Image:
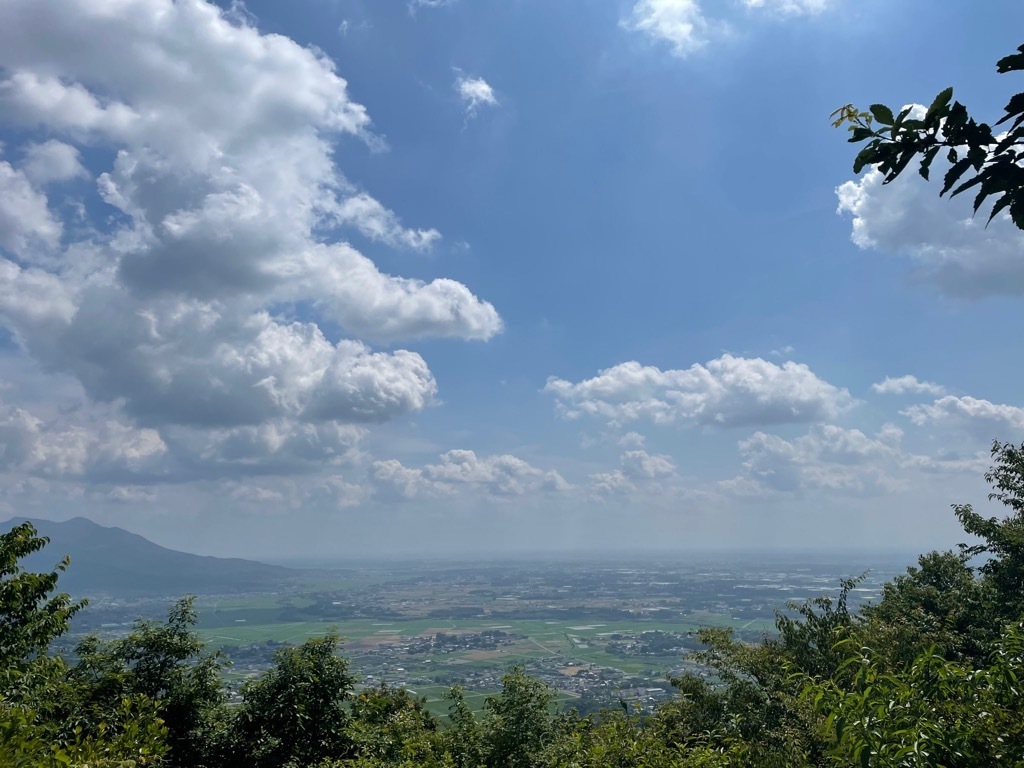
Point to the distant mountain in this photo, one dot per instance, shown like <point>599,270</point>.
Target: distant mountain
<point>112,561</point>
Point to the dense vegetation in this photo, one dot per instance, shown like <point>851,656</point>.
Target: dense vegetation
<point>927,676</point>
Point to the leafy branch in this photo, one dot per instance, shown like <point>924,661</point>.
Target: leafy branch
<point>979,158</point>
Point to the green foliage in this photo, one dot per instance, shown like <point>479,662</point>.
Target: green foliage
<point>930,714</point>
<point>1002,540</point>
<point>42,722</point>
<point>517,723</point>
<point>990,162</point>
<point>462,740</point>
<point>390,726</point>
<point>619,740</point>
<point>134,737</point>
<point>166,663</point>
<point>939,604</point>
<point>31,617</point>
<point>295,714</point>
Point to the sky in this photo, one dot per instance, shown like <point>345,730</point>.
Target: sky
<point>340,278</point>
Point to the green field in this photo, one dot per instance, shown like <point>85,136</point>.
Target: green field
<point>383,650</point>
<point>243,626</point>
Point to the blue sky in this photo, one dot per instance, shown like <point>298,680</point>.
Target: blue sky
<point>345,277</point>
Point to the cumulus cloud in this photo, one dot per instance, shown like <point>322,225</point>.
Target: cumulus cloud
<point>828,457</point>
<point>638,470</point>
<point>26,223</point>
<point>614,483</point>
<point>940,237</point>
<point>499,476</point>
<point>906,385</point>
<point>680,23</point>
<point>726,392</point>
<point>632,440</point>
<point>640,464</point>
<point>52,161</point>
<point>846,461</point>
<point>173,301</point>
<point>282,446</point>
<point>392,479</point>
<point>66,448</point>
<point>985,419</point>
<point>475,92</point>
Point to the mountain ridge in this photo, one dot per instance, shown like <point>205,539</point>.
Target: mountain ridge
<point>108,560</point>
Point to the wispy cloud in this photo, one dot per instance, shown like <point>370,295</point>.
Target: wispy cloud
<point>475,93</point>
<point>684,26</point>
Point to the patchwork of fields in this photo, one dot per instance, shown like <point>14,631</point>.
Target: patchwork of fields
<point>588,631</point>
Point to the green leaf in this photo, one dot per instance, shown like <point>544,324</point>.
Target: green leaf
<point>859,134</point>
<point>1001,203</point>
<point>866,156</point>
<point>926,161</point>
<point>1014,107</point>
<point>939,104</point>
<point>882,114</point>
<point>1017,212</point>
<point>1011,63</point>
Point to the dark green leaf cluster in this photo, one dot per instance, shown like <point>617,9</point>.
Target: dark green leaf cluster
<point>979,158</point>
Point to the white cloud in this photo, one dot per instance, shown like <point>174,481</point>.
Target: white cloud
<point>193,363</point>
<point>614,483</point>
<point>393,480</point>
<point>26,224</point>
<point>378,223</point>
<point>640,464</point>
<point>52,161</point>
<point>499,476</point>
<point>948,246</point>
<point>789,7</point>
<point>347,25</point>
<point>632,440</point>
<point>282,446</point>
<point>680,23</point>
<point>638,471</point>
<point>727,392</point>
<point>904,385</point>
<point>222,186</point>
<point>67,448</point>
<point>982,418</point>
<point>683,25</point>
<point>475,92</point>
<point>827,458</point>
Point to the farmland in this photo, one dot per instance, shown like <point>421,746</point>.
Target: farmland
<point>589,630</point>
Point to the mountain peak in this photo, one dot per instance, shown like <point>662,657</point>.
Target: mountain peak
<point>114,561</point>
